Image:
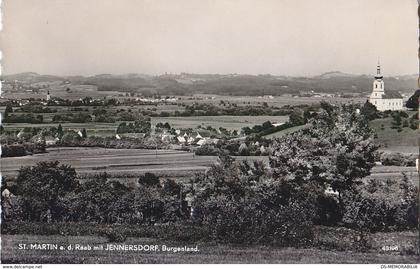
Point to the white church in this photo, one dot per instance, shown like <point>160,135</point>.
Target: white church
<point>381,99</point>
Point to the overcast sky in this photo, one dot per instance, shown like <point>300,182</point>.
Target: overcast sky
<point>281,37</point>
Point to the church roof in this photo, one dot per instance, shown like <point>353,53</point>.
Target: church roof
<point>391,95</point>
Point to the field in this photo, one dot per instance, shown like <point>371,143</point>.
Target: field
<point>113,161</point>
<point>119,163</point>
<point>60,90</point>
<point>285,132</point>
<point>278,101</point>
<point>405,141</point>
<point>108,129</point>
<point>92,128</point>
<point>130,163</point>
<point>209,252</point>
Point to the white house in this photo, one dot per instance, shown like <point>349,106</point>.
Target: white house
<point>181,139</point>
<point>381,99</point>
<point>50,140</point>
<point>202,141</point>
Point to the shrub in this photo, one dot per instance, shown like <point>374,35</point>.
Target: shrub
<point>253,221</point>
<point>397,159</point>
<point>382,205</point>
<point>24,118</point>
<point>114,235</point>
<point>327,210</point>
<point>149,179</point>
<point>13,150</point>
<point>42,186</point>
<point>239,204</point>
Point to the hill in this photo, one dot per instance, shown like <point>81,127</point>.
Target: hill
<point>228,84</point>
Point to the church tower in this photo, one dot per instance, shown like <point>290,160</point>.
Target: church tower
<point>384,100</point>
<point>378,84</point>
<point>48,96</point>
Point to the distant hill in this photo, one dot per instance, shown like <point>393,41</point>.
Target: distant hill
<point>228,84</point>
<point>31,77</point>
<point>335,74</point>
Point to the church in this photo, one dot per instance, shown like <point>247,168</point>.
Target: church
<point>381,99</point>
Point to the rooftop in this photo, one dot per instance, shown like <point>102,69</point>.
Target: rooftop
<point>391,95</point>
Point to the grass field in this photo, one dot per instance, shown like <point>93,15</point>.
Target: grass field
<point>277,101</point>
<point>95,160</point>
<point>209,252</point>
<point>130,163</point>
<point>405,141</point>
<point>285,132</point>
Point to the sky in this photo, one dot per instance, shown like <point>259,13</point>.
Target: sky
<point>279,37</point>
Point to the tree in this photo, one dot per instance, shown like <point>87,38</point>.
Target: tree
<point>243,149</point>
<point>267,125</point>
<point>101,201</point>
<point>306,115</point>
<point>84,133</point>
<point>42,186</point>
<point>149,179</point>
<point>338,151</point>
<point>60,131</point>
<point>171,187</point>
<point>296,118</point>
<point>264,210</point>
<point>8,110</point>
<point>382,205</point>
<point>413,101</point>
<point>369,111</point>
<point>396,120</point>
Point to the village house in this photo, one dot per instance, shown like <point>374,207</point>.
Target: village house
<point>50,140</point>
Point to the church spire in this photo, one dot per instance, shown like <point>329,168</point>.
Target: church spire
<point>378,71</point>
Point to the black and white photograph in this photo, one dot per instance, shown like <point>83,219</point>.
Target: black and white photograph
<point>209,132</point>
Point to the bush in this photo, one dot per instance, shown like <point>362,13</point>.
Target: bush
<point>13,150</point>
<point>328,210</point>
<point>23,149</point>
<point>114,235</point>
<point>397,159</point>
<point>207,150</point>
<point>42,186</point>
<point>23,118</point>
<point>240,205</point>
<point>382,205</point>
<point>250,223</point>
<point>149,179</point>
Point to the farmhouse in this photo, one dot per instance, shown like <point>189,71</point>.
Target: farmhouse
<point>50,140</point>
<point>381,99</point>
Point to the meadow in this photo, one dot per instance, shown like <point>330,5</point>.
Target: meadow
<point>282,100</point>
<point>405,141</point>
<point>120,164</point>
<point>128,164</point>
